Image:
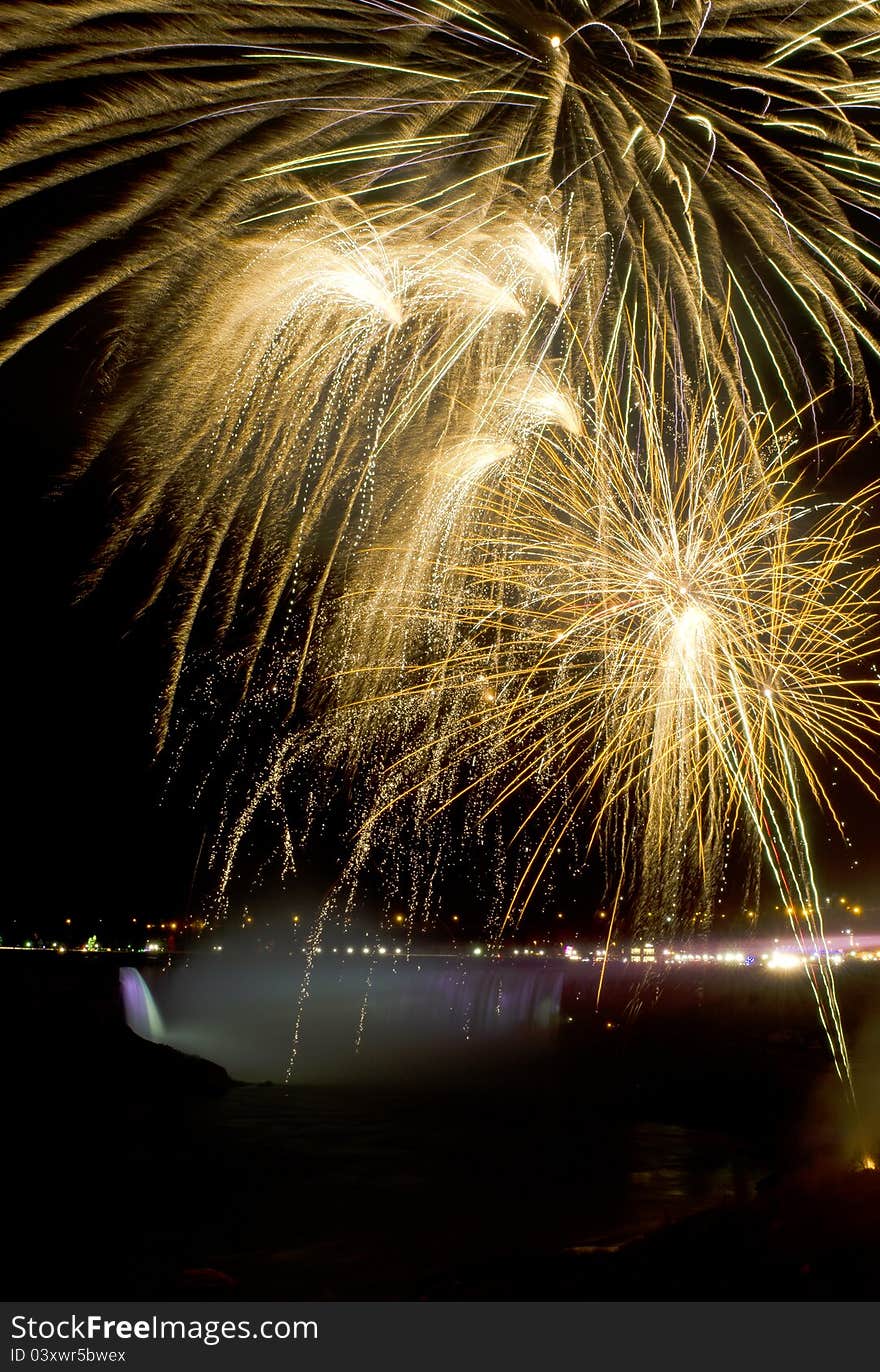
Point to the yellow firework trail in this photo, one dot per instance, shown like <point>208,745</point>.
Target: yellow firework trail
<point>731,140</point>
<point>644,625</point>
<point>328,237</point>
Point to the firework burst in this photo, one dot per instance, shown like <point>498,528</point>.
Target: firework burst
<point>303,224</point>
<point>650,630</point>
<point>643,613</point>
<point>721,148</point>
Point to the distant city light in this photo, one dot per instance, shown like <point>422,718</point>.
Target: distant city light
<point>784,962</point>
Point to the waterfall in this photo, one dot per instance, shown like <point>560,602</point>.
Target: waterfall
<point>141,1011</point>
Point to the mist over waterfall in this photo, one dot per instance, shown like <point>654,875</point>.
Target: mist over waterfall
<point>359,1021</point>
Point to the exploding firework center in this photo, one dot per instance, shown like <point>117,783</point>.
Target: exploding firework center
<point>690,633</point>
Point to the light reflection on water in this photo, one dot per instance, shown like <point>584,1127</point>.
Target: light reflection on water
<point>397,1156</point>
<point>406,1179</point>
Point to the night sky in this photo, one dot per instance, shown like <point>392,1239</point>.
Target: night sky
<point>110,837</point>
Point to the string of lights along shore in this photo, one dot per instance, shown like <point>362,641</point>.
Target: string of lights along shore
<point>466,368</point>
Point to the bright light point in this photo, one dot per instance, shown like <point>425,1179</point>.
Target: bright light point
<point>555,41</point>
<point>768,694</point>
<point>468,459</point>
<point>868,1163</point>
<point>478,952</point>
<point>361,287</point>
<point>477,291</point>
<point>690,632</point>
<point>544,402</point>
<point>784,962</point>
<point>543,262</point>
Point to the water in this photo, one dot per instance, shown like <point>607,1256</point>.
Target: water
<point>458,1130</point>
<point>491,1120</point>
<point>385,1192</point>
